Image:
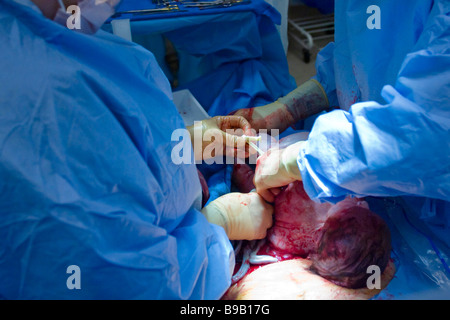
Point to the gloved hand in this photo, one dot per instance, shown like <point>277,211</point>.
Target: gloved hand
<point>221,135</point>
<point>244,216</point>
<point>307,100</point>
<point>277,168</point>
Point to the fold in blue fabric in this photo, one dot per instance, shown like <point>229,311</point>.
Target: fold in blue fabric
<point>86,174</point>
<point>235,52</point>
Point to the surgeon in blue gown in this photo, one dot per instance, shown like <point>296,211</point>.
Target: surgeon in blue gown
<point>92,203</point>
<point>388,73</point>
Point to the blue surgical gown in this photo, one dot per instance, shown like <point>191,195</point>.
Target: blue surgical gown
<point>86,175</point>
<point>393,86</point>
<point>390,137</point>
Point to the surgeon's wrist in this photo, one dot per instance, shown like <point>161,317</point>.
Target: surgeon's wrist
<point>307,100</point>
<point>276,116</point>
<point>289,160</point>
<point>216,215</point>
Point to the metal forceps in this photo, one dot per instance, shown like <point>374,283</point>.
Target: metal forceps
<point>191,4</point>
<point>167,8</point>
<point>214,4</point>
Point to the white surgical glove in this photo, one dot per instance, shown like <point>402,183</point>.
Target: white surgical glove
<point>306,100</point>
<point>244,216</point>
<point>277,168</point>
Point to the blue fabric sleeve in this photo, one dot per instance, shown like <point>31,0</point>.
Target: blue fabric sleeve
<point>325,73</point>
<point>398,148</point>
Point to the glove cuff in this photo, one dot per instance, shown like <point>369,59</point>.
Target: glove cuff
<point>215,215</point>
<point>289,160</point>
<point>308,99</point>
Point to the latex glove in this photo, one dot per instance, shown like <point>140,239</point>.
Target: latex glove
<point>244,216</point>
<point>232,143</point>
<point>277,168</point>
<point>270,116</point>
<point>307,100</point>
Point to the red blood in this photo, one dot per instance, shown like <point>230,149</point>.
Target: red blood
<point>281,255</point>
<point>298,221</point>
<point>341,240</point>
<point>266,249</point>
<point>275,120</point>
<point>242,177</point>
<point>205,189</point>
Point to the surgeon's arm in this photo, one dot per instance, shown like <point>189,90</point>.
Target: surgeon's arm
<point>312,97</point>
<point>307,100</point>
<point>395,149</point>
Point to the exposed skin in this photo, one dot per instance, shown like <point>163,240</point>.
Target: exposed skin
<point>298,227</point>
<point>293,280</point>
<point>50,7</point>
<point>352,240</point>
<point>242,177</point>
<point>205,189</point>
<point>298,221</point>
